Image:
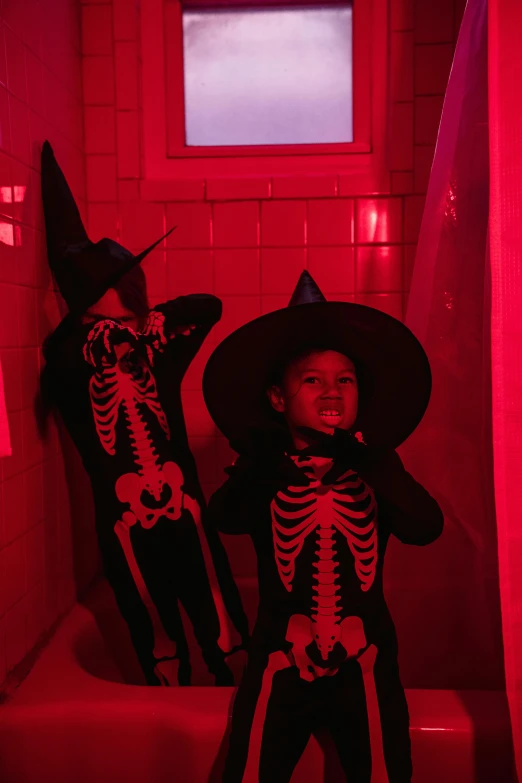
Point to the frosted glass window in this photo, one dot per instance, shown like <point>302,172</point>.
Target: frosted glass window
<point>278,75</point>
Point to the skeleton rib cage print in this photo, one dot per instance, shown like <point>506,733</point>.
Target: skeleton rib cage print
<point>348,509</point>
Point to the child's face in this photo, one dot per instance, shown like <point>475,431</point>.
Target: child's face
<point>111,306</point>
<point>318,391</point>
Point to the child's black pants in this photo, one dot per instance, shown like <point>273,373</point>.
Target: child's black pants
<point>289,709</point>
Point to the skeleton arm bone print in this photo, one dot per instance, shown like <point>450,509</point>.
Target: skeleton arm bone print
<point>108,341</point>
<point>189,318</point>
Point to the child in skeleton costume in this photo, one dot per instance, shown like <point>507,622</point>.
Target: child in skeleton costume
<point>118,391</point>
<point>320,492</point>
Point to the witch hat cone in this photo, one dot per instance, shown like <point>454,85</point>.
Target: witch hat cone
<point>63,224</point>
<point>306,291</point>
<point>84,270</point>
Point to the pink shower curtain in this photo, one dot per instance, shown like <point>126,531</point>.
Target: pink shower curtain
<point>445,597</point>
<point>505,116</point>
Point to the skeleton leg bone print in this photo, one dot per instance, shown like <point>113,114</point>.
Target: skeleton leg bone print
<point>278,662</point>
<point>228,636</point>
<point>165,649</point>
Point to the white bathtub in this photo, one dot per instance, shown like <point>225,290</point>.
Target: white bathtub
<point>73,720</point>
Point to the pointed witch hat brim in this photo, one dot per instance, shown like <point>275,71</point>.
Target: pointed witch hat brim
<point>111,278</point>
<point>393,362</point>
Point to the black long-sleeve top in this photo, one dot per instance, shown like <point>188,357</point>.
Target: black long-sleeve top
<point>348,524</point>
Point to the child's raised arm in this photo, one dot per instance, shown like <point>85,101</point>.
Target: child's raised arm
<point>405,507</point>
<point>176,329</point>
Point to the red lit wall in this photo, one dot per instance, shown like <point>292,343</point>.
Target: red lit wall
<point>40,97</point>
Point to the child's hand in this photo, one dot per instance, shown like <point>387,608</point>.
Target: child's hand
<point>345,450</point>
<point>158,333</point>
<point>102,348</point>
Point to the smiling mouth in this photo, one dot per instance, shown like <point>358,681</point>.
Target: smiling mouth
<point>330,415</point>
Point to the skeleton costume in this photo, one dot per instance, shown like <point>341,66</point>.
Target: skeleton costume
<point>324,649</point>
<point>118,392</point>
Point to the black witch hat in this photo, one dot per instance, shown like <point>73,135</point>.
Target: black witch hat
<point>83,270</point>
<point>390,359</point>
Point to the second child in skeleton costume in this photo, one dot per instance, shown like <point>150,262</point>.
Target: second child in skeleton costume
<point>118,391</point>
<point>320,493</point>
